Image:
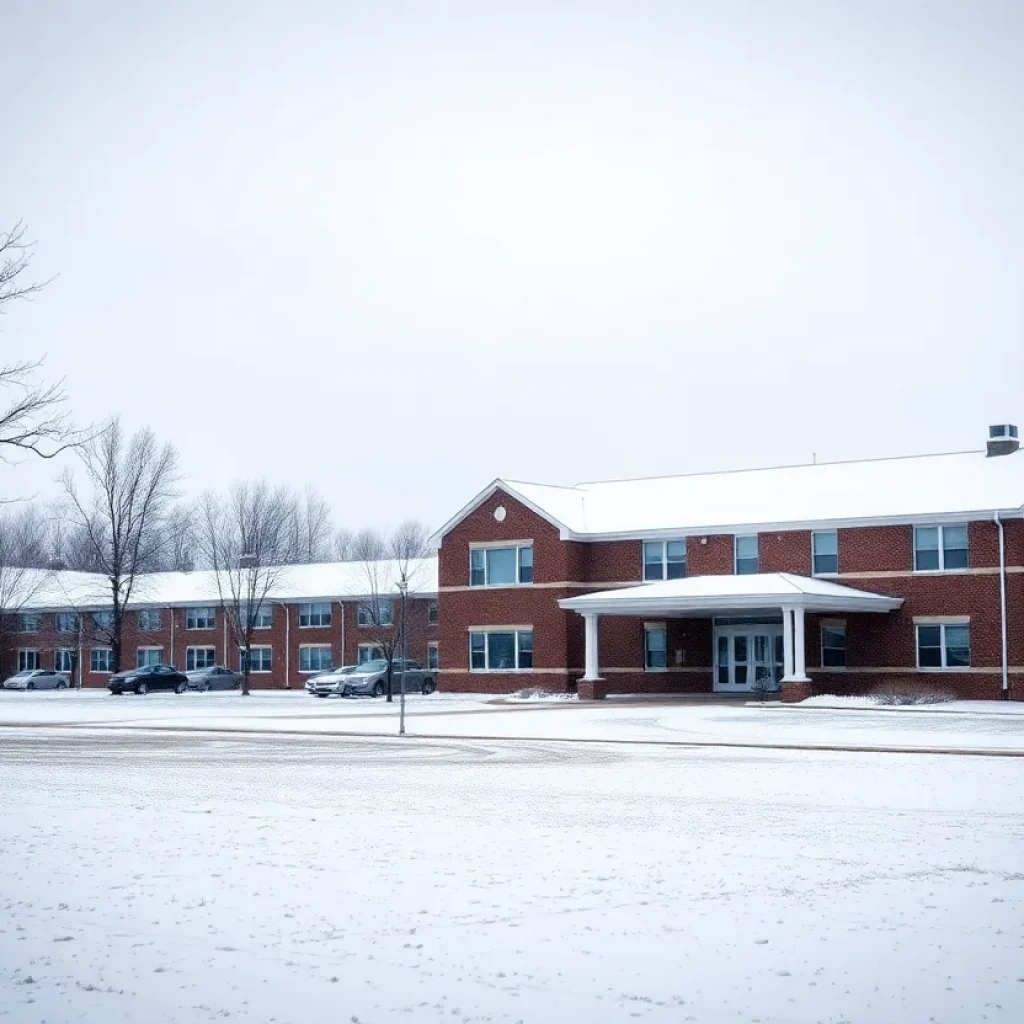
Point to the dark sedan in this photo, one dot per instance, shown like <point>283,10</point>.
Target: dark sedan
<point>148,679</point>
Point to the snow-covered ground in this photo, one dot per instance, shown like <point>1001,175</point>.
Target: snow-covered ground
<point>988,726</point>
<point>176,877</point>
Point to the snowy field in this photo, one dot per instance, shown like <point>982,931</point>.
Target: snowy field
<point>973,726</point>
<point>159,877</point>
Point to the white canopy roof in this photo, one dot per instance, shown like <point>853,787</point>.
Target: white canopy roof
<point>961,485</point>
<point>706,595</point>
<point>41,590</point>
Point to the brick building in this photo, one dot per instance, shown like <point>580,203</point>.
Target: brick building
<point>835,578</point>
<point>315,618</point>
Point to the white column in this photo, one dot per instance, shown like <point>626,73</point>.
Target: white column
<point>787,644</point>
<point>590,666</point>
<point>800,650</point>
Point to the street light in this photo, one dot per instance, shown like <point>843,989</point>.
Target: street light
<point>403,587</point>
<point>250,563</point>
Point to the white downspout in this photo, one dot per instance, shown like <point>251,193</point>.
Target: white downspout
<point>171,610</point>
<point>287,646</point>
<point>342,605</point>
<point>224,616</point>
<point>1002,607</point>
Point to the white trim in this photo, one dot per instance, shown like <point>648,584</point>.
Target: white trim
<point>100,671</point>
<point>518,546</point>
<point>486,634</point>
<point>478,544</point>
<point>497,629</point>
<point>149,647</point>
<point>260,671</point>
<point>938,620</point>
<point>319,625</point>
<point>29,650</point>
<point>437,538</point>
<point>199,608</point>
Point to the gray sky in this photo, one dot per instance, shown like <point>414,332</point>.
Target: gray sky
<point>398,249</point>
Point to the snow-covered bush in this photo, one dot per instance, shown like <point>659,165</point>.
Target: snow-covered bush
<point>895,694</point>
<point>539,693</point>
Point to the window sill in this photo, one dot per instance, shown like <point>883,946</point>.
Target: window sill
<point>942,572</point>
<point>500,586</point>
<point>940,669</point>
<point>825,575</point>
<point>327,626</point>
<point>497,671</point>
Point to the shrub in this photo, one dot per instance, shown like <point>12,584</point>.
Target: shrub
<point>895,694</point>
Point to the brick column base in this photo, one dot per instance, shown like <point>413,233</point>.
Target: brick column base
<point>794,692</point>
<point>591,689</point>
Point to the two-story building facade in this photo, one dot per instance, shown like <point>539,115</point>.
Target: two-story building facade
<point>839,578</point>
<point>315,617</point>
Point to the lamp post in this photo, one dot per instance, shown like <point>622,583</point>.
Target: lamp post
<point>249,563</point>
<point>403,587</point>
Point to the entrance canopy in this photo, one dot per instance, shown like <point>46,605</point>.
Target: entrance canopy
<point>705,596</point>
<point>717,595</point>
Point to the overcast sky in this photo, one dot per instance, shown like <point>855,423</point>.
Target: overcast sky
<point>399,249</point>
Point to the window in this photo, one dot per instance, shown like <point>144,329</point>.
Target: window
<point>746,555</point>
<point>1002,430</point>
<point>148,619</point>
<point>368,652</point>
<point>664,559</point>
<point>940,548</point>
<point>432,659</point>
<point>315,658</point>
<point>500,567</point>
<point>101,659</point>
<point>28,622</point>
<point>376,613</point>
<point>261,659</point>
<point>655,647</point>
<point>316,614</point>
<point>944,645</point>
<point>63,659</point>
<point>825,552</point>
<point>148,656</point>
<point>67,622</point>
<point>197,658</point>
<point>103,620</point>
<point>501,651</point>
<point>28,661</point>
<point>264,618</point>
<point>833,646</point>
<point>432,612</point>
<point>201,618</point>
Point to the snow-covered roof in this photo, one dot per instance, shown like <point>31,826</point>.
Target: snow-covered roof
<point>41,590</point>
<point>709,594</point>
<point>959,485</point>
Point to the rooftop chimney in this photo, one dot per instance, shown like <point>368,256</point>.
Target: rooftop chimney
<point>1002,439</point>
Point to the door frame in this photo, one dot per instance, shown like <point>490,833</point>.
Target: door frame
<point>770,628</point>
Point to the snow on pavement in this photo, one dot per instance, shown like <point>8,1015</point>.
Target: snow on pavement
<point>298,880</point>
<point>476,715</point>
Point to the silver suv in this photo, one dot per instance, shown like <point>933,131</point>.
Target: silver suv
<point>371,679</point>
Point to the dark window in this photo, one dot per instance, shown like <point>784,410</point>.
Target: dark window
<point>833,646</point>
<point>826,552</point>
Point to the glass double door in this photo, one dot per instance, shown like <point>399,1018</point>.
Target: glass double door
<point>748,658</point>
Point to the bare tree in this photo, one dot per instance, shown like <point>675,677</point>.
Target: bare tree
<point>311,528</point>
<point>343,545</point>
<point>390,566</point>
<point>131,485</point>
<point>34,420</point>
<point>247,540</point>
<point>180,539</point>
<point>20,581</point>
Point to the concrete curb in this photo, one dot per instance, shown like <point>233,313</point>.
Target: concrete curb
<point>694,744</point>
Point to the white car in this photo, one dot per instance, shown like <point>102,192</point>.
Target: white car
<point>38,679</point>
<point>329,680</point>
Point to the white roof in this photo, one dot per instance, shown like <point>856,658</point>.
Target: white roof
<point>961,485</point>
<point>44,590</point>
<point>709,594</point>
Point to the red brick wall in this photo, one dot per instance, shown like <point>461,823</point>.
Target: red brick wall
<point>785,552</point>
<point>876,548</point>
<point>715,558</point>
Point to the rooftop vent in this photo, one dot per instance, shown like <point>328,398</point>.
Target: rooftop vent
<point>1002,439</point>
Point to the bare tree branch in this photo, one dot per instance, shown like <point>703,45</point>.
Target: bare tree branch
<point>120,520</point>
<point>247,539</point>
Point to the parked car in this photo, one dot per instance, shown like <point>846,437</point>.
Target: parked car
<point>371,679</point>
<point>217,677</point>
<point>37,679</point>
<point>323,684</point>
<point>147,679</point>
